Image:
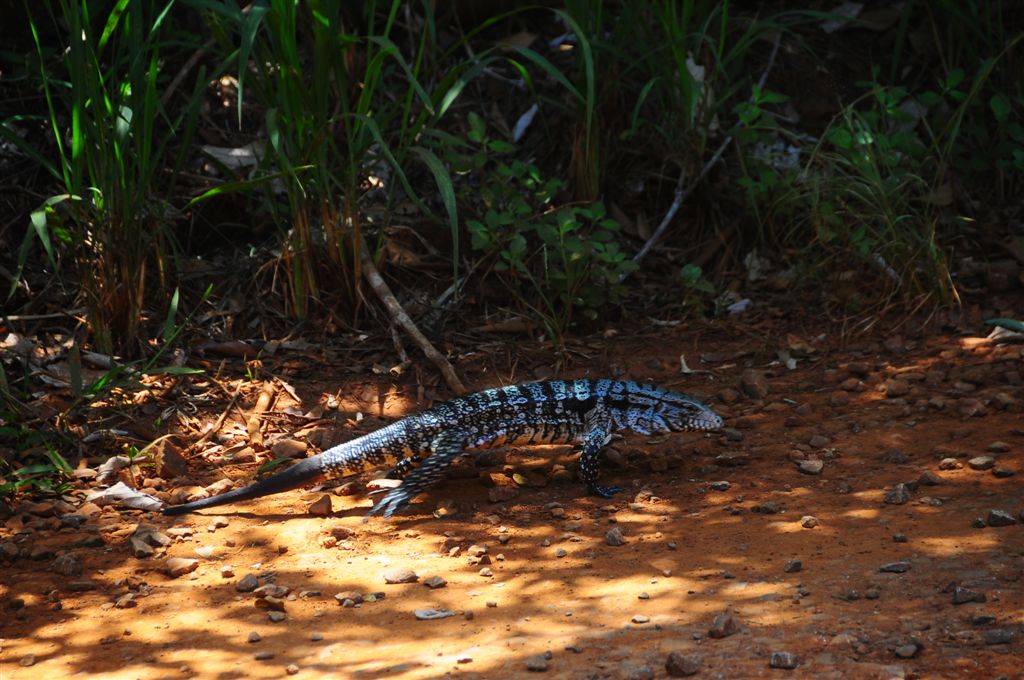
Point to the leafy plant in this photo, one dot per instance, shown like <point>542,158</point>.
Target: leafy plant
<point>112,134</point>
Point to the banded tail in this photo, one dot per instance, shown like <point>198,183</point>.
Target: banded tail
<point>302,473</point>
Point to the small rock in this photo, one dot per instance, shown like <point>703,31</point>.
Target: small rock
<point>929,478</point>
<point>898,495</point>
<point>981,463</point>
<point>640,618</point>
<point>768,508</point>
<point>793,566</point>
<point>907,651</point>
<point>179,566</point>
<point>963,595</point>
<point>126,601</point>
<point>614,537</point>
<point>399,575</point>
<point>839,398</point>
<point>435,582</point>
<point>432,614</point>
<point>809,521</point>
<point>724,625</point>
<point>811,467</point>
<point>719,486</point>
<point>264,655</point>
<point>254,637</point>
<point>997,636</point>
<point>1000,518</point>
<point>321,507</point>
<point>501,494</point>
<point>81,586</point>
<point>276,616</point>
<point>291,669</point>
<point>754,383</point>
<point>27,660</point>
<point>897,388</point>
<point>247,583</point>
<point>899,538</point>
<point>895,567</point>
<point>784,660</point>
<point>680,665</point>
<point>950,464</point>
<point>538,663</point>
<point>978,523</point>
<point>67,564</point>
<point>998,447</point>
<point>818,441</point>
<point>1002,472</point>
<point>895,457</point>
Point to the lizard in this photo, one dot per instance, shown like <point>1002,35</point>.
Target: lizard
<point>421,446</point>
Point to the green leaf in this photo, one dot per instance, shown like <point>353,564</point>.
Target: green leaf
<point>1008,324</point>
<point>477,128</point>
<point>1001,106</point>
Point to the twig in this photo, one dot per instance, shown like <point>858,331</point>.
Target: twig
<point>77,311</point>
<point>401,318</point>
<point>220,421</point>
<point>682,195</point>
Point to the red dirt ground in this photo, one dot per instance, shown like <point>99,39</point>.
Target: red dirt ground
<point>555,587</point>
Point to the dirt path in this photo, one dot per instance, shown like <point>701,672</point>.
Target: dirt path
<point>712,525</point>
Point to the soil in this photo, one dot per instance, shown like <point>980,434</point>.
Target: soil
<point>711,527</point>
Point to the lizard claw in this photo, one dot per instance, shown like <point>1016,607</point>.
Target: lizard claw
<point>395,500</point>
<point>604,491</point>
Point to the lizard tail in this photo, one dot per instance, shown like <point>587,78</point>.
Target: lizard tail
<point>302,473</point>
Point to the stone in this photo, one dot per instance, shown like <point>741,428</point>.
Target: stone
<point>1000,518</point>
<point>793,566</point>
<point>895,567</point>
<point>682,665</point>
<point>981,463</point>
<point>399,575</point>
<point>783,660</point>
<point>614,537</point>
<point>811,467</point>
<point>723,625</point>
<point>898,495</point>
<point>754,383</point>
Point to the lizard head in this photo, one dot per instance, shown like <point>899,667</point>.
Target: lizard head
<point>653,409</point>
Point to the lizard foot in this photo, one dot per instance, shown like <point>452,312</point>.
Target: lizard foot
<point>604,491</point>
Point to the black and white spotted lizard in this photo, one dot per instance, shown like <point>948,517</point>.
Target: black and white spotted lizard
<point>422,446</point>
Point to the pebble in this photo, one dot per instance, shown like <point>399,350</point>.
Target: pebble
<point>895,567</point>
<point>321,507</point>
<point>907,651</point>
<point>1000,518</point>
<point>247,583</point>
<point>432,614</point>
<point>179,566</point>
<point>486,572</point>
<point>950,464</point>
<point>784,660</point>
<point>811,467</point>
<point>399,575</point>
<point>809,521</point>
<point>538,663</point>
<point>998,447</point>
<point>839,398</point>
<point>291,669</point>
<point>276,616</point>
<point>818,441</point>
<point>754,383</point>
<point>560,552</point>
<point>640,618</point>
<point>897,388</point>
<point>895,457</point>
<point>963,595</point>
<point>680,665</point>
<point>981,463</point>
<point>898,495</point>
<point>719,486</point>
<point>997,636</point>
<point>793,566</point>
<point>27,660</point>
<point>929,478</point>
<point>614,537</point>
<point>263,656</point>
<point>434,582</point>
<point>899,538</point>
<point>768,508</point>
<point>1002,472</point>
<point>724,625</point>
<point>978,523</point>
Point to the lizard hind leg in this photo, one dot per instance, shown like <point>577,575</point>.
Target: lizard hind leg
<point>594,438</point>
<point>445,448</point>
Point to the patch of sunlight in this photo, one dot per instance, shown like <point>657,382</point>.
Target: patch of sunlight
<point>954,546</point>
<point>862,513</point>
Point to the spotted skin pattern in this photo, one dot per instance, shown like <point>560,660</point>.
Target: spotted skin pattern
<point>421,447</point>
